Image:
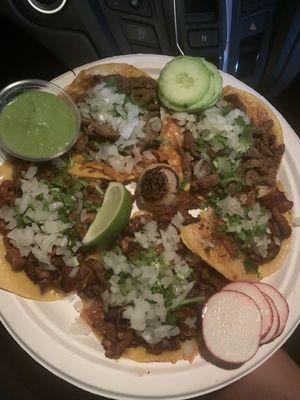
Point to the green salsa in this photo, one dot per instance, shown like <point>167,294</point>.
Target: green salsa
<point>37,124</point>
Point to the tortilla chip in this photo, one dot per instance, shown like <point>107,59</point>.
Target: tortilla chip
<point>199,239</point>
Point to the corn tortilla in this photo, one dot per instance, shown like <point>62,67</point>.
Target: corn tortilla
<point>199,238</point>
<point>187,351</point>
<point>257,110</point>
<point>98,169</point>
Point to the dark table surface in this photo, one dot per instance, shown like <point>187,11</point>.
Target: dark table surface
<point>22,378</point>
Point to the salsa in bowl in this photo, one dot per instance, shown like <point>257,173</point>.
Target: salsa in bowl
<point>38,120</point>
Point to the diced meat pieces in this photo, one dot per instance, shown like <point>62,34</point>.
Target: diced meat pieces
<point>261,161</point>
<point>276,198</point>
<point>116,333</point>
<point>9,191</point>
<point>104,132</point>
<point>187,165</point>
<point>235,101</point>
<point>188,141</point>
<point>229,245</point>
<point>207,182</point>
<point>13,255</point>
<point>283,225</point>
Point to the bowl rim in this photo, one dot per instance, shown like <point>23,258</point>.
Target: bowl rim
<point>40,83</point>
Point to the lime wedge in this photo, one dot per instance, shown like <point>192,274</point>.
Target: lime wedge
<point>112,217</point>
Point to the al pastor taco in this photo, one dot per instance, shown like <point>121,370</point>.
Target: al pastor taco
<point>44,214</point>
<point>120,122</point>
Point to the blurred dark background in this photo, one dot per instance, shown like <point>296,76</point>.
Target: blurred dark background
<point>258,41</point>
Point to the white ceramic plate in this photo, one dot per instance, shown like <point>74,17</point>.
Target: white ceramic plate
<point>42,329</point>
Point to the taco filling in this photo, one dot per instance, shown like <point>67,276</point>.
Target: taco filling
<point>223,151</point>
<point>121,123</point>
<point>44,215</point>
<point>211,208</point>
<point>152,292</point>
<point>250,229</point>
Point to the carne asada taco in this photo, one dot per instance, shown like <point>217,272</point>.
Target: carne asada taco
<point>230,156</point>
<point>243,238</point>
<point>237,145</point>
<point>120,122</point>
<point>223,150</point>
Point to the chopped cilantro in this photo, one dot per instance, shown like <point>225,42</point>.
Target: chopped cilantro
<point>200,145</point>
<point>171,319</point>
<point>191,300</point>
<point>224,167</point>
<point>202,204</point>
<point>226,109</point>
<point>20,221</point>
<point>162,140</point>
<point>75,262</point>
<point>250,265</point>
<point>111,81</point>
<point>91,207</point>
<point>246,138</point>
<point>219,140</point>
<point>146,257</point>
<point>39,197</point>
<point>240,121</point>
<point>182,184</point>
<point>45,207</point>
<point>168,296</point>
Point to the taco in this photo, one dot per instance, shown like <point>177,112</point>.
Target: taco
<point>44,213</point>
<point>230,154</point>
<point>131,296</point>
<point>147,306</point>
<point>143,294</point>
<point>120,122</point>
<point>235,145</point>
<point>17,283</point>
<point>242,238</point>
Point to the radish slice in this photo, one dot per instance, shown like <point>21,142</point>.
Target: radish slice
<point>280,303</point>
<point>231,326</point>
<point>256,295</point>
<point>274,328</point>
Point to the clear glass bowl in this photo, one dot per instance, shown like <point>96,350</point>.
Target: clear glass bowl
<point>15,89</point>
